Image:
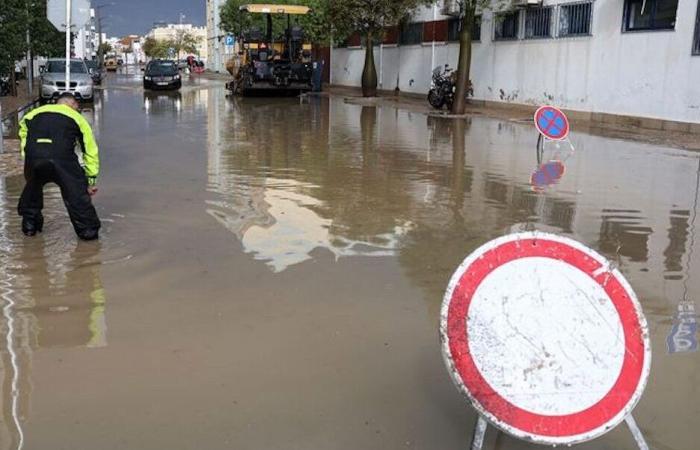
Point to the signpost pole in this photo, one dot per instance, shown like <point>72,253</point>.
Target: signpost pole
<point>68,11</point>
<point>479,433</point>
<point>636,432</point>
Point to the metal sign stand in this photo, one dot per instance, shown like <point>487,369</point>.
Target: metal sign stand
<point>482,425</point>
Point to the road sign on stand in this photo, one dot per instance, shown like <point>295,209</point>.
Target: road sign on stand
<point>546,339</point>
<point>56,13</point>
<point>552,123</point>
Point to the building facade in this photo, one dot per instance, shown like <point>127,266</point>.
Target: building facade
<point>163,31</point>
<point>628,57</point>
<point>216,37</point>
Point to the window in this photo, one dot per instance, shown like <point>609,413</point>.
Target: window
<point>538,22</point>
<point>650,15</point>
<point>411,34</point>
<point>696,41</point>
<point>575,19</point>
<point>506,25</point>
<point>454,26</point>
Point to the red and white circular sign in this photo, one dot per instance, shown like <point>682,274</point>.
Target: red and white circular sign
<point>545,338</point>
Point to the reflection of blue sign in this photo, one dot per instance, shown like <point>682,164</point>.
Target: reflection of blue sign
<point>547,174</point>
<point>683,336</point>
<point>230,40</point>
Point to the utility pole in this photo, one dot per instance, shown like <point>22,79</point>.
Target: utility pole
<point>100,53</point>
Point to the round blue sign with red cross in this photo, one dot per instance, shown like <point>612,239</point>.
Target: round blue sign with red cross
<point>552,123</point>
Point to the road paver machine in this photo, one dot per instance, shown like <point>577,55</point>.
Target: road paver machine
<point>269,62</point>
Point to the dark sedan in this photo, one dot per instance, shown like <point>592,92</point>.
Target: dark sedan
<point>162,74</point>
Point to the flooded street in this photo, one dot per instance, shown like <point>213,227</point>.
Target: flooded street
<point>270,273</point>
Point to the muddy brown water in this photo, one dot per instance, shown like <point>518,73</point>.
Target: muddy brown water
<point>271,270</point>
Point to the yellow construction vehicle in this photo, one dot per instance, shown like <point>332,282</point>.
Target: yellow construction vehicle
<point>273,63</point>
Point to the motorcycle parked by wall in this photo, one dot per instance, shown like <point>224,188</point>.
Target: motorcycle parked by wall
<point>4,86</point>
<point>443,88</point>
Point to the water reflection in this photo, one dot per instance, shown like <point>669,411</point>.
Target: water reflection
<point>161,102</point>
<point>683,337</point>
<point>281,219</point>
<point>342,176</point>
<point>51,295</point>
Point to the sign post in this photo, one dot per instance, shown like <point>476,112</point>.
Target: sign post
<point>68,31</point>
<point>64,14</point>
<point>546,339</point>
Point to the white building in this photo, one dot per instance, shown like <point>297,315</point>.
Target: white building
<point>86,40</point>
<point>219,52</point>
<point>629,57</point>
<point>163,31</point>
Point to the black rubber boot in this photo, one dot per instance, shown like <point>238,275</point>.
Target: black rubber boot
<point>32,227</point>
<point>89,235</point>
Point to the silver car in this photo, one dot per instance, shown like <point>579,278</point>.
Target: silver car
<point>53,80</point>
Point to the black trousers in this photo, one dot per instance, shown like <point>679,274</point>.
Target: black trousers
<point>70,177</point>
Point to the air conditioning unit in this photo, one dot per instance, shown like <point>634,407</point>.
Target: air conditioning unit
<point>526,3</point>
<point>452,8</point>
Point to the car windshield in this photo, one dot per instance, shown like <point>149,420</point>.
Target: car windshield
<point>162,68</point>
<point>60,67</point>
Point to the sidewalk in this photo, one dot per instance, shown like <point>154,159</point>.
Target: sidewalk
<point>10,162</point>
<point>10,104</point>
<point>619,127</point>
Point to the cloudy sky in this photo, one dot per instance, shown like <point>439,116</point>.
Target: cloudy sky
<point>137,16</point>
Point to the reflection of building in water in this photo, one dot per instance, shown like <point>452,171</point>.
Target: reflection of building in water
<point>364,173</point>
<point>617,196</point>
<point>51,295</point>
<point>280,220</point>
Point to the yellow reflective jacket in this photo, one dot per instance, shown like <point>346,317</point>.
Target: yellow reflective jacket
<point>53,130</point>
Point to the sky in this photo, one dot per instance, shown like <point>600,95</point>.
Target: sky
<point>137,16</point>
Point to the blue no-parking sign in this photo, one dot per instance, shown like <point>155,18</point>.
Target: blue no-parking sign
<point>230,40</point>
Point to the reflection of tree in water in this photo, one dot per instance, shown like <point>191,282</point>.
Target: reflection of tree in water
<point>464,215</point>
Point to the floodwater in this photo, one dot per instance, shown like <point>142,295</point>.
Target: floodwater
<point>270,274</point>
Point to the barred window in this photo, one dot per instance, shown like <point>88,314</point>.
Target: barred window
<point>650,15</point>
<point>411,34</point>
<point>575,19</point>
<point>506,25</point>
<point>454,27</point>
<point>538,22</point>
<point>696,41</point>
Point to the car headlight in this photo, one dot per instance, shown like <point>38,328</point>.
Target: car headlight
<point>176,77</point>
<point>147,78</point>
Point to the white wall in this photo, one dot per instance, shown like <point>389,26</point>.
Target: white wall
<point>648,74</point>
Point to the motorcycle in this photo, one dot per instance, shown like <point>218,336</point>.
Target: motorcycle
<point>443,88</point>
<point>4,86</point>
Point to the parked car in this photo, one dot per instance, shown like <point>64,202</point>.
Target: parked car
<point>53,81</point>
<point>162,74</point>
<point>95,71</point>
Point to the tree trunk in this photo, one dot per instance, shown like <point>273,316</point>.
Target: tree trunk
<point>13,81</point>
<point>465,58</point>
<point>369,73</point>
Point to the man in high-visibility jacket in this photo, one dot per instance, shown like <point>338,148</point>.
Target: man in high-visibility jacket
<point>48,138</point>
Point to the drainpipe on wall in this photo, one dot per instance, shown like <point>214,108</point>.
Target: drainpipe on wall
<point>381,64</point>
<point>432,55</point>
<point>330,64</point>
